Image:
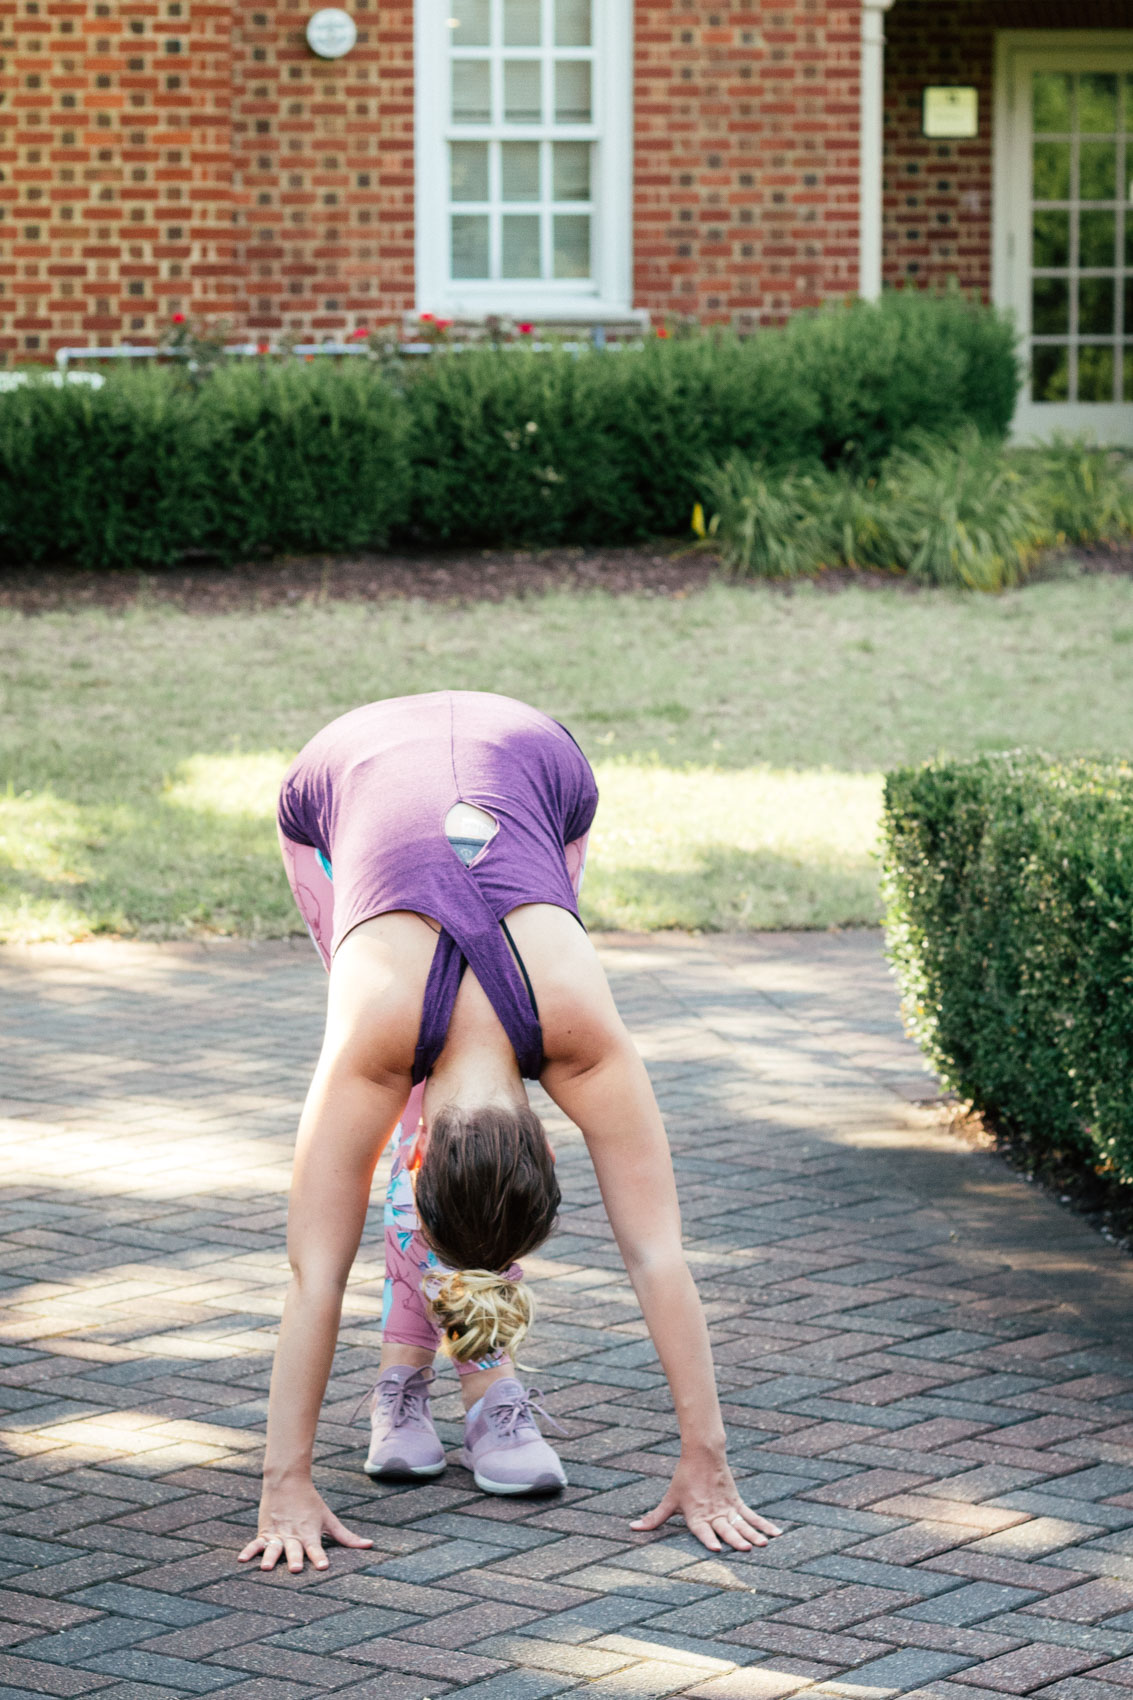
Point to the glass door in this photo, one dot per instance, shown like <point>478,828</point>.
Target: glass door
<point>1069,247</point>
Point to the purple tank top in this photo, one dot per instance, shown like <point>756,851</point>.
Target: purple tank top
<point>371,793</point>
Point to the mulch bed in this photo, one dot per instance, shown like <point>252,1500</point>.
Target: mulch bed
<point>456,576</point>
<point>1106,1204</point>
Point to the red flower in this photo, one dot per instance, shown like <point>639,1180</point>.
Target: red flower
<point>361,331</point>
<point>444,324</point>
<point>427,318</point>
<point>263,347</point>
<point>525,330</point>
<point>662,331</point>
<point>308,357</point>
<point>178,318</point>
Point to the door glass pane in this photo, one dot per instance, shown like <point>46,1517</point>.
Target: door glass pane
<point>523,97</point>
<point>1098,172</point>
<point>1128,387</point>
<point>1129,306</point>
<point>1129,236</point>
<point>1050,306</point>
<point>469,171</point>
<point>572,171</point>
<point>523,23</point>
<point>1095,373</point>
<point>471,91</point>
<point>1097,103</point>
<point>1050,98</point>
<point>1051,245</point>
<point>1050,373</point>
<point>1096,301</point>
<point>1129,102</point>
<point>572,91</point>
<point>521,245</point>
<point>470,22</point>
<point>572,23</point>
<point>572,245</point>
<point>520,170</point>
<point>1052,171</point>
<point>1097,239</point>
<point>470,245</point>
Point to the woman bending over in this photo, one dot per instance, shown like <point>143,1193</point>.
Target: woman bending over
<point>435,845</point>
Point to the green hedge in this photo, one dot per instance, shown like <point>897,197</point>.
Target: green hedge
<point>480,446</point>
<point>1009,888</point>
<point>257,460</point>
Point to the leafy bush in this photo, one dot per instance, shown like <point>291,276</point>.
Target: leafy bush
<point>1009,888</point>
<point>913,361</point>
<point>609,447</point>
<point>258,458</point>
<point>480,446</point>
<point>952,513</point>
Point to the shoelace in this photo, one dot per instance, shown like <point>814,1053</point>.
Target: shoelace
<point>517,1408</point>
<point>403,1401</point>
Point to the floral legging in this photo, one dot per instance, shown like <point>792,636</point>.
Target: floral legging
<point>409,1262</point>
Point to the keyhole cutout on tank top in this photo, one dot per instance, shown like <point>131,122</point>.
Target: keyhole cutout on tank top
<point>469,829</point>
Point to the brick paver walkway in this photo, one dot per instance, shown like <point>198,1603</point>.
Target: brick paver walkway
<point>905,1334</point>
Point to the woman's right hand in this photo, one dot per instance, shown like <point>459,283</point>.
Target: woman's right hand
<point>294,1519</point>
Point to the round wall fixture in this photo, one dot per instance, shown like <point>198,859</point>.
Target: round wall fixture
<point>331,33</point>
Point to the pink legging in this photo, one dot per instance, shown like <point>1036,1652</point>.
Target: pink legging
<point>409,1262</point>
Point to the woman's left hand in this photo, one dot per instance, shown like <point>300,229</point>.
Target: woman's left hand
<point>703,1492</point>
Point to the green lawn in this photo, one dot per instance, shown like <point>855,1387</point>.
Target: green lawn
<point>739,736</point>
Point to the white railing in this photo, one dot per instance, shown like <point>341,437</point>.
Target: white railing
<point>597,338</point>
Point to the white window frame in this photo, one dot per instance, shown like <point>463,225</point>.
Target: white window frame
<point>1018,54</point>
<point>608,294</point>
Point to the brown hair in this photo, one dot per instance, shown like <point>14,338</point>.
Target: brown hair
<point>486,1195</point>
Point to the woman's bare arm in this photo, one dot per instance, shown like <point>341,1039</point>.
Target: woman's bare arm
<point>351,1110</point>
<point>598,1079</point>
<point>346,1123</point>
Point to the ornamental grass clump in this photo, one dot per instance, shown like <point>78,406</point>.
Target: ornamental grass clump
<point>1008,882</point>
<point>768,524</point>
<point>960,514</point>
<point>957,513</point>
<point>1083,489</point>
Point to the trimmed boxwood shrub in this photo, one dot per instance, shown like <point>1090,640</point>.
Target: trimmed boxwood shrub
<point>1009,888</point>
<point>479,446</point>
<point>257,459</point>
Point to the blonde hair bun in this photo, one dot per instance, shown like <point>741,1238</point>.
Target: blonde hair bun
<point>479,1313</point>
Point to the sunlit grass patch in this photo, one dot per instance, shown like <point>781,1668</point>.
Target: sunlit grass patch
<point>232,785</point>
<point>739,733</point>
<point>732,849</point>
<point>45,845</point>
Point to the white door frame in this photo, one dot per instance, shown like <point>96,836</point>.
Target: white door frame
<point>1017,52</point>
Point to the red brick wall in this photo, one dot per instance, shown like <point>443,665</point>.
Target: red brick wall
<point>192,155</point>
<point>116,183</point>
<point>323,163</point>
<point>746,165</point>
<point>937,193</point>
<point>159,156</point>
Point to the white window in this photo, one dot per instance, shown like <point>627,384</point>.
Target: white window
<point>1064,225</point>
<point>523,157</point>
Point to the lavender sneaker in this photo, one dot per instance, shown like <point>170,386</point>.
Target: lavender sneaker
<point>502,1444</point>
<point>403,1441</point>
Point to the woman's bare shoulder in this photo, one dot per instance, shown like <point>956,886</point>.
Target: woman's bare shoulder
<point>576,1007</point>
<point>377,988</point>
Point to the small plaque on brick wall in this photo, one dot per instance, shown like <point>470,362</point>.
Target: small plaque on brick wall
<point>951,112</point>
<point>331,33</point>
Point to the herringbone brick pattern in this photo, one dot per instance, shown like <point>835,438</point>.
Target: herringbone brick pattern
<point>948,1449</point>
